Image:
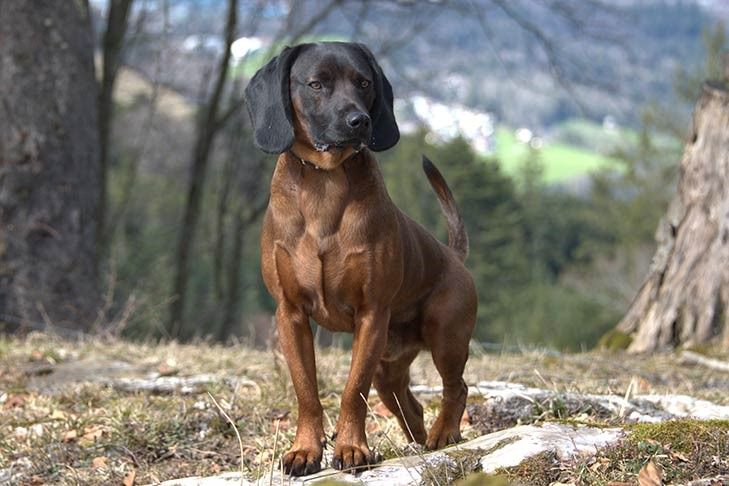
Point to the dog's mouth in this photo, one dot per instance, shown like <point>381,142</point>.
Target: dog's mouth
<point>354,143</point>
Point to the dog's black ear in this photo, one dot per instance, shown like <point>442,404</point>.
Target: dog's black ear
<point>385,133</point>
<point>268,100</point>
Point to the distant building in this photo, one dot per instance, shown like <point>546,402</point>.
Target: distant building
<point>446,122</point>
<point>243,46</point>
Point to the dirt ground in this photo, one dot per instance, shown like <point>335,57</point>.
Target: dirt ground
<point>86,412</point>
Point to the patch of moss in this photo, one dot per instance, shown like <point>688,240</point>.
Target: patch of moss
<point>462,463</point>
<point>482,479</point>
<point>685,450</point>
<point>614,340</point>
<point>685,435</point>
<point>540,470</point>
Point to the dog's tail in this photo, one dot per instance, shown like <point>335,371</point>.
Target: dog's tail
<point>457,236</point>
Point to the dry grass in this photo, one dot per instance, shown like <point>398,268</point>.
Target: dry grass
<point>65,424</point>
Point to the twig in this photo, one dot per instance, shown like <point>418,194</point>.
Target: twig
<point>237,434</point>
<point>418,452</point>
<point>626,398</point>
<point>392,443</point>
<point>695,358</point>
<point>273,455</point>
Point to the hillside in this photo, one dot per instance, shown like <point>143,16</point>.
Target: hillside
<point>530,63</point>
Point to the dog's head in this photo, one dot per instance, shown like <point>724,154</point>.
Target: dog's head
<point>324,101</point>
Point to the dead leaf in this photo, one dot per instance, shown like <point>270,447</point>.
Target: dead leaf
<point>14,401</point>
<point>167,370</point>
<point>69,436</point>
<point>92,433</point>
<point>129,478</point>
<point>58,415</point>
<point>650,475</point>
<point>36,480</point>
<point>99,461</point>
<point>680,456</point>
<point>619,483</point>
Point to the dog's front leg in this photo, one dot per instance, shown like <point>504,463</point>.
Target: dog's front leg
<point>297,344</point>
<point>370,338</point>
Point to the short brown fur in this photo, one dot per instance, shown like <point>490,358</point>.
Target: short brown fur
<point>335,248</point>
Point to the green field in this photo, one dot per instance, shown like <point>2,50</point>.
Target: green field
<point>561,161</point>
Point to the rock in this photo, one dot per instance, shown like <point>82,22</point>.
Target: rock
<point>503,449</point>
<point>514,402</point>
<point>686,406</point>
<point>530,440</point>
<point>225,479</point>
<point>126,377</point>
<point>722,480</point>
<point>165,384</point>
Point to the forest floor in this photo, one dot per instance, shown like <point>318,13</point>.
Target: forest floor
<point>86,413</point>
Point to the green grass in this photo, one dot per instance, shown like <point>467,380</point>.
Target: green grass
<point>561,162</point>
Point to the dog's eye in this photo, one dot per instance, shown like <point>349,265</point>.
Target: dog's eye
<point>364,84</point>
<point>315,85</point>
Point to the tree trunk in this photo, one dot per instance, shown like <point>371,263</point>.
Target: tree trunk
<point>116,27</point>
<point>207,130</point>
<point>684,298</point>
<point>49,173</point>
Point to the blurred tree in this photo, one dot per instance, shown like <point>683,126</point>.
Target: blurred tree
<point>117,19</point>
<point>49,171</point>
<point>214,116</point>
<point>207,129</point>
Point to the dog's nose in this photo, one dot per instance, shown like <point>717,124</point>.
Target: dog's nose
<point>358,120</point>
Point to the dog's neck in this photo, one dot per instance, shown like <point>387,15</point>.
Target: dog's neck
<point>304,162</point>
<point>319,165</point>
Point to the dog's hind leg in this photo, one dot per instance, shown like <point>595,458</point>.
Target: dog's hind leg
<point>392,380</point>
<point>449,319</point>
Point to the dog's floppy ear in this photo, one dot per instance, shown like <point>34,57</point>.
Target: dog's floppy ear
<point>385,133</point>
<point>268,100</point>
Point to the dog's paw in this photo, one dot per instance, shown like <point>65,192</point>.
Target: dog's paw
<point>352,457</point>
<point>302,462</point>
<point>441,435</point>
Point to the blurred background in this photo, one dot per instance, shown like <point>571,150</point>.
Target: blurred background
<point>559,125</point>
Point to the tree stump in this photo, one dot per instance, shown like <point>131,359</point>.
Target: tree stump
<point>683,301</point>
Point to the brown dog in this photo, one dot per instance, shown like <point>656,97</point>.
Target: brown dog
<point>335,248</point>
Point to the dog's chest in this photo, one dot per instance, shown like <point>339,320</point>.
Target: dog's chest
<point>321,269</point>
<point>327,284</point>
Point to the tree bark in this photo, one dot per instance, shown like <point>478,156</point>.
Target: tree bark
<point>49,173</point>
<point>683,301</point>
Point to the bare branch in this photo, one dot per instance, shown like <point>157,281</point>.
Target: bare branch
<point>206,132</point>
